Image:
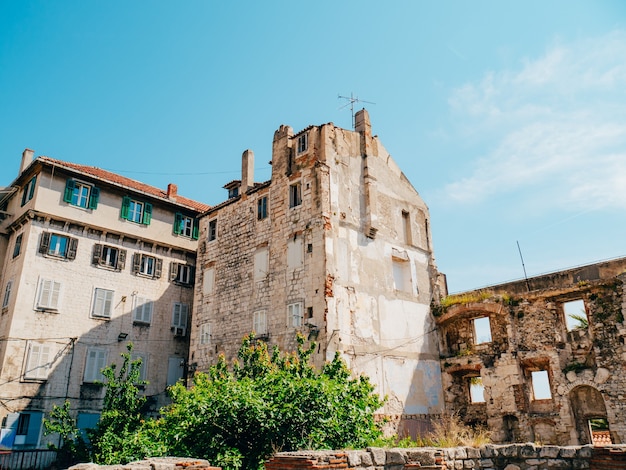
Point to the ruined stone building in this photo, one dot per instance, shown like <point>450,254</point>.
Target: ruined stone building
<point>541,360</point>
<point>90,261</point>
<point>336,245</point>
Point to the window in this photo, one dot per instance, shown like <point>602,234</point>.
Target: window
<point>109,257</point>
<point>135,211</point>
<point>233,192</point>
<point>482,330</point>
<point>406,227</point>
<point>58,246</point>
<point>26,427</point>
<point>18,245</point>
<point>212,235</point>
<point>259,322</point>
<point>49,292</point>
<point>205,334</point>
<point>180,312</point>
<point>261,263</point>
<point>261,212</point>
<point>102,303</point>
<point>96,361</point>
<point>182,273</point>
<point>295,253</point>
<point>147,265</point>
<point>185,226</point>
<point>477,390</point>
<point>295,314</point>
<point>402,275</point>
<point>38,361</point>
<point>142,313</point>
<point>23,423</point>
<point>29,190</point>
<point>303,143</point>
<point>541,385</point>
<point>208,281</point>
<point>143,366</point>
<point>295,194</point>
<point>7,294</point>
<point>575,315</point>
<point>81,194</point>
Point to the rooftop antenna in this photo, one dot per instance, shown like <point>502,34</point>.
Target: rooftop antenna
<point>524,267</point>
<point>351,100</point>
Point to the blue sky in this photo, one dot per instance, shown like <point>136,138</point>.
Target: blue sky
<point>509,118</point>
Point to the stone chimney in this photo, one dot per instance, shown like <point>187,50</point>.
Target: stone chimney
<point>363,126</point>
<point>247,170</point>
<point>27,159</point>
<point>172,191</point>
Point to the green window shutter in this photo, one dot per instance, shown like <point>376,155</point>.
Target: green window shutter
<point>69,190</point>
<point>196,229</point>
<point>94,196</point>
<point>178,221</point>
<point>32,188</point>
<point>147,213</point>
<point>125,207</point>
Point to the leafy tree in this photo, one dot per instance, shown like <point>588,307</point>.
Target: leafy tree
<point>73,448</point>
<point>268,402</point>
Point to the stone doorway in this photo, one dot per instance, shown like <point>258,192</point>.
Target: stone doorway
<point>590,416</point>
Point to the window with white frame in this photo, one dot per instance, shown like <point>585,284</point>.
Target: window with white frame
<point>80,194</point>
<point>142,313</point>
<point>17,248</point>
<point>261,208</point>
<point>259,322</point>
<point>96,361</point>
<point>180,313</point>
<point>303,142</point>
<point>261,263</point>
<point>102,303</point>
<point>7,294</point>
<point>29,190</point>
<point>38,361</point>
<point>205,334</point>
<point>48,295</point>
<point>136,211</point>
<point>58,246</point>
<point>182,274</point>
<point>212,230</point>
<point>185,226</point>
<point>147,265</point>
<point>295,253</point>
<point>143,365</point>
<point>295,194</point>
<point>295,314</point>
<point>109,257</point>
<point>476,390</point>
<point>482,330</point>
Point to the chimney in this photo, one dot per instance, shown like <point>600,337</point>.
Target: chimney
<point>27,159</point>
<point>172,190</point>
<point>247,170</point>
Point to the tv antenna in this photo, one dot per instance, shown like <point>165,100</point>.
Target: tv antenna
<point>351,100</point>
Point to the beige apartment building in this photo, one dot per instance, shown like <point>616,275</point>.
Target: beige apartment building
<point>336,246</point>
<point>90,262</point>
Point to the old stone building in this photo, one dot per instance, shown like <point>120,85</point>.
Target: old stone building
<point>90,261</point>
<point>336,245</point>
<point>540,360</point>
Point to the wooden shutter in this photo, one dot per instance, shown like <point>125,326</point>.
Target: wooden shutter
<point>121,260</point>
<point>97,254</point>
<point>94,196</point>
<point>32,188</point>
<point>69,190</point>
<point>71,248</point>
<point>178,221</point>
<point>158,267</point>
<point>125,207</point>
<point>147,213</point>
<point>173,270</point>
<point>44,244</point>
<point>136,262</point>
<point>196,229</point>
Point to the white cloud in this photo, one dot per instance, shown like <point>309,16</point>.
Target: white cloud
<point>557,125</point>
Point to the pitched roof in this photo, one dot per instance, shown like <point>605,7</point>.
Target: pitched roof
<point>126,183</point>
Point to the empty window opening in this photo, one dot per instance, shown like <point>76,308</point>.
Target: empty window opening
<point>477,390</point>
<point>402,275</point>
<point>406,228</point>
<point>599,430</point>
<point>295,195</point>
<point>482,330</point>
<point>540,385</point>
<point>575,315</point>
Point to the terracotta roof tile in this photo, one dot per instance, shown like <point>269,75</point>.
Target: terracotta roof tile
<point>126,182</point>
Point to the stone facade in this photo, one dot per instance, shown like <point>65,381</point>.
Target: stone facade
<point>518,360</point>
<point>335,246</point>
<point>90,262</point>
